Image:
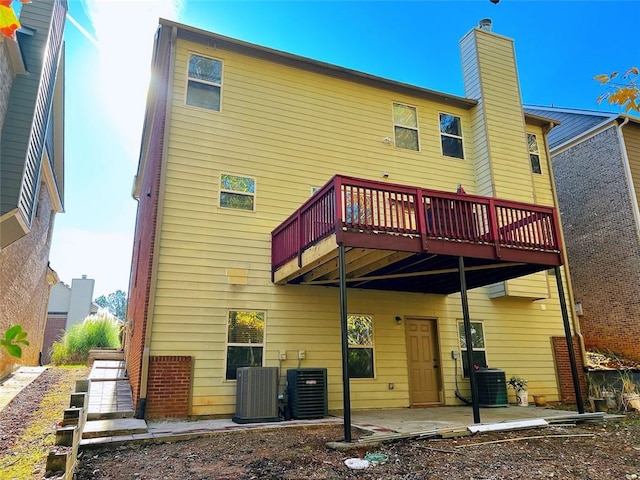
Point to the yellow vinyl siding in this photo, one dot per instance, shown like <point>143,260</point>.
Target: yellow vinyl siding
<point>291,129</point>
<point>490,75</point>
<point>542,187</point>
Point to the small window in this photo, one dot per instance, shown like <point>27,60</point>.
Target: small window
<point>451,136</point>
<point>478,344</point>
<point>405,126</point>
<point>204,82</point>
<point>245,340</point>
<point>360,338</point>
<point>534,153</point>
<point>237,192</point>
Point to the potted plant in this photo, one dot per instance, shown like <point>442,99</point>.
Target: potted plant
<point>519,385</point>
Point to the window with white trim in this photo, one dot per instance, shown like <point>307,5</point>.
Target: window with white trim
<point>360,352</point>
<point>237,192</point>
<point>204,82</point>
<point>478,344</point>
<point>534,153</point>
<point>405,126</point>
<point>245,340</point>
<point>451,136</point>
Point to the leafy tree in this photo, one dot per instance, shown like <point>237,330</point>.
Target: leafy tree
<point>115,302</point>
<point>12,339</point>
<point>623,90</point>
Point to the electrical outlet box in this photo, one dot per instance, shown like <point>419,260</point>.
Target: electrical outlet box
<point>454,354</point>
<point>283,355</point>
<point>302,354</point>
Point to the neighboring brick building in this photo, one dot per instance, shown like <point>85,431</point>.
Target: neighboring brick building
<point>596,165</point>
<point>31,169</point>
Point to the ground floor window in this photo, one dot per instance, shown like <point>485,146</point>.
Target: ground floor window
<point>245,340</point>
<point>360,337</point>
<point>478,344</point>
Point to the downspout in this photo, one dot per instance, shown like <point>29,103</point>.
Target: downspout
<point>565,259</point>
<point>144,373</point>
<point>627,171</point>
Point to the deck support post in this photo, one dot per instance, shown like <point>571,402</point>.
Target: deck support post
<point>468,341</point>
<point>346,394</point>
<point>568,336</point>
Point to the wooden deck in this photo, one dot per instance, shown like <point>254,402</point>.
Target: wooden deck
<point>406,238</point>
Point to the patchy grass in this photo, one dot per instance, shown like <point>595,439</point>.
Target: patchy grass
<point>27,458</point>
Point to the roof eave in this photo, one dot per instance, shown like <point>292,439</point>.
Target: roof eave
<point>541,121</point>
<point>195,34</point>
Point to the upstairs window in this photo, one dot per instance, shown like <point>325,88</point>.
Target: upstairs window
<point>245,341</point>
<point>237,192</point>
<point>204,82</point>
<point>360,338</point>
<point>451,136</point>
<point>477,342</point>
<point>405,126</point>
<point>534,153</point>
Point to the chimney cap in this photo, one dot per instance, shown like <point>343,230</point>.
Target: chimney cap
<point>485,24</point>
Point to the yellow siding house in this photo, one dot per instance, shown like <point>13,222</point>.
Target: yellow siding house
<point>300,215</point>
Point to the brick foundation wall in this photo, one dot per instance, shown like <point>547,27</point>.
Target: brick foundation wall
<point>24,291</point>
<point>169,387</point>
<point>54,330</point>
<point>563,368</point>
<point>602,243</point>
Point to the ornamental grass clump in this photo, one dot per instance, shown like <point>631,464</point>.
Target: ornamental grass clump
<point>101,330</point>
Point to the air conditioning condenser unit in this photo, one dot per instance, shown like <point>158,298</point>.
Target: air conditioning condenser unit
<point>257,395</point>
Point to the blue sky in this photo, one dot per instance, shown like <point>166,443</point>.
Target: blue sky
<point>560,47</point>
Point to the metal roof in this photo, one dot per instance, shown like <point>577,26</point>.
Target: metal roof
<point>573,122</point>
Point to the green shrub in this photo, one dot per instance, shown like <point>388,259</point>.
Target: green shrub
<point>101,330</point>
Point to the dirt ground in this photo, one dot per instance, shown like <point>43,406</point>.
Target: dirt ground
<point>603,450</point>
<point>587,451</point>
<point>28,423</point>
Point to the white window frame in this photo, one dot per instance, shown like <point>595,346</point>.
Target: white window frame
<point>475,349</point>
<point>368,346</point>
<point>205,82</point>
<point>235,344</point>
<point>537,153</point>
<point>459,137</point>
<point>408,127</point>
<point>235,192</point>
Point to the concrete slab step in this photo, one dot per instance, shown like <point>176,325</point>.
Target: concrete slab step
<point>114,427</point>
<point>110,415</point>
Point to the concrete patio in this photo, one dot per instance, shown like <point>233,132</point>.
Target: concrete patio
<point>111,422</point>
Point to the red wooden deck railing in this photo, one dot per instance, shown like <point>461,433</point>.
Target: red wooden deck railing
<point>351,204</point>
